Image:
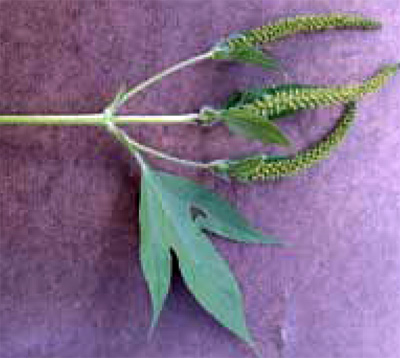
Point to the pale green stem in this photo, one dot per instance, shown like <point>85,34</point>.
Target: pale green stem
<point>134,146</point>
<point>140,87</point>
<point>94,119</point>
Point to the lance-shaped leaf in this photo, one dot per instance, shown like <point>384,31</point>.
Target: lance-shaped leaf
<point>210,280</point>
<point>155,256</point>
<point>170,200</point>
<point>253,126</point>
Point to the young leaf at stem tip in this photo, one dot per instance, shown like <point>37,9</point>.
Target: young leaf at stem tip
<point>167,223</point>
<point>244,54</point>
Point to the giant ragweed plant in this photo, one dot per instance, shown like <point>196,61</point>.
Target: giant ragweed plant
<point>175,213</point>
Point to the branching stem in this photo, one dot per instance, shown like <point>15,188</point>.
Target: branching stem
<point>134,146</point>
<point>111,120</point>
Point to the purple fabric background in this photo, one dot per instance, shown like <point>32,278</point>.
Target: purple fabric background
<point>70,280</point>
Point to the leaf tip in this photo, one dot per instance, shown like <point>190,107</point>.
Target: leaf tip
<point>271,240</point>
<point>283,141</point>
<point>252,345</point>
<point>153,325</point>
<point>255,349</point>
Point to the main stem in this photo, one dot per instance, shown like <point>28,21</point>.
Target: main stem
<point>95,119</point>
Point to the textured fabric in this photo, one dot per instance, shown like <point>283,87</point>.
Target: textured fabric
<point>70,279</point>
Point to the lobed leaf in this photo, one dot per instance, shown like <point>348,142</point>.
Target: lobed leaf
<point>217,215</point>
<point>167,223</point>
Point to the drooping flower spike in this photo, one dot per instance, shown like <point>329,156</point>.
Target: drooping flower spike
<point>303,24</point>
<point>276,102</point>
<point>244,46</point>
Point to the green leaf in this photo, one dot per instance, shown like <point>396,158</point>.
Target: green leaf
<point>253,126</point>
<point>245,54</point>
<point>217,215</point>
<point>168,223</point>
<point>155,254</point>
<point>211,282</point>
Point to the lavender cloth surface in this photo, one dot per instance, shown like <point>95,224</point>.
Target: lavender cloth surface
<point>70,280</point>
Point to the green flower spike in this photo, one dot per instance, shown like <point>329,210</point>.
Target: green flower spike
<point>288,99</point>
<point>301,24</point>
<point>244,46</point>
<point>263,167</point>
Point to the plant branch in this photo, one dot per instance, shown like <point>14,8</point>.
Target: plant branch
<point>134,146</point>
<point>159,76</point>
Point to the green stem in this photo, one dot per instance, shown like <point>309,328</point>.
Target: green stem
<point>134,146</point>
<point>94,119</point>
<point>98,118</point>
<point>159,76</point>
